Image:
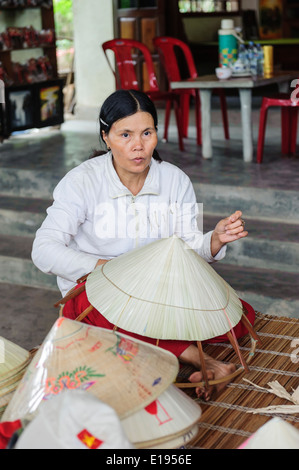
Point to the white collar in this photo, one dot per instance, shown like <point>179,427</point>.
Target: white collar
<point>118,189</point>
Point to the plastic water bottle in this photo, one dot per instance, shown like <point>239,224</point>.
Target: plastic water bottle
<point>242,56</point>
<point>249,54</point>
<point>260,60</point>
<point>254,66</point>
<point>253,58</point>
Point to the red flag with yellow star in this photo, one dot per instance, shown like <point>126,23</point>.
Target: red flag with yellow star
<point>89,440</point>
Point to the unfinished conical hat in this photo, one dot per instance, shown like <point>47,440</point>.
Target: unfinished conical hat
<point>13,363</point>
<point>13,359</point>
<point>125,373</point>
<point>275,434</point>
<point>11,386</point>
<point>170,416</point>
<point>164,290</point>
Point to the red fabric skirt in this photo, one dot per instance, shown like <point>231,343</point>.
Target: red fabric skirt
<point>78,304</point>
<point>7,429</point>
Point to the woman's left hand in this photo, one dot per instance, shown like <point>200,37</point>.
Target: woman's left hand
<point>228,230</point>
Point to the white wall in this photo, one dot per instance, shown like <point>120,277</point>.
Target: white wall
<point>93,24</point>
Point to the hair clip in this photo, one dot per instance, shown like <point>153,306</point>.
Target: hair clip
<point>103,122</point>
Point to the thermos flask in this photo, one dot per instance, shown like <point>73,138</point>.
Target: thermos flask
<point>228,43</point>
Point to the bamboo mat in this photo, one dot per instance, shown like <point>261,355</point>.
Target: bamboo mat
<point>226,421</point>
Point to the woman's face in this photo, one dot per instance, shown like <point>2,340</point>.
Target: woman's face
<point>132,141</point>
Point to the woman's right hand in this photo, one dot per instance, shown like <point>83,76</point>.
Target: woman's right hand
<point>100,262</point>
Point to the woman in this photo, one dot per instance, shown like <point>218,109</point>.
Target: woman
<point>126,198</point>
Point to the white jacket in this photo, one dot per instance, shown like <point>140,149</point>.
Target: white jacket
<point>94,216</point>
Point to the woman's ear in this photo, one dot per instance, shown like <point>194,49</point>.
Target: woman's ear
<point>104,136</point>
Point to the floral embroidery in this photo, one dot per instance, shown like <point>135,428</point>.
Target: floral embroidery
<point>80,378</point>
<point>125,349</point>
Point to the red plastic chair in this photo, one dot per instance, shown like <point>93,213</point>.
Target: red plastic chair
<point>289,119</point>
<point>125,51</point>
<point>166,47</point>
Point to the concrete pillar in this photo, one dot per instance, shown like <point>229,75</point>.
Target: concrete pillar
<point>93,24</point>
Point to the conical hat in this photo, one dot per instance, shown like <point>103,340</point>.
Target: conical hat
<point>170,416</point>
<point>4,401</point>
<point>125,373</point>
<point>74,419</point>
<point>11,386</point>
<point>13,363</point>
<point>15,358</point>
<point>275,434</point>
<point>164,290</point>
<point>179,442</point>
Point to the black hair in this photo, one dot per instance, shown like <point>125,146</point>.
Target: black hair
<point>123,103</point>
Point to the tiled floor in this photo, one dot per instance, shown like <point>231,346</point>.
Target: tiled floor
<point>58,151</point>
<point>46,155</point>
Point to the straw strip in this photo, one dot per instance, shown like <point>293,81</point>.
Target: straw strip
<point>276,388</point>
<point>246,386</point>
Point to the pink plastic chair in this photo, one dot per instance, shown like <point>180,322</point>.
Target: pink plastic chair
<point>166,47</point>
<point>125,51</point>
<point>289,119</point>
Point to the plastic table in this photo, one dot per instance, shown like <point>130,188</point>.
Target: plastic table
<point>205,84</point>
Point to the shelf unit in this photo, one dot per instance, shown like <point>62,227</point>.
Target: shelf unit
<point>35,91</point>
<point>47,22</point>
<point>141,20</point>
<point>209,8</point>
<point>290,20</point>
<point>141,23</point>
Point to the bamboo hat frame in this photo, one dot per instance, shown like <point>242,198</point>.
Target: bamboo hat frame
<point>165,290</point>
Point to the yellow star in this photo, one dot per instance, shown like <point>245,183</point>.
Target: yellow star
<point>88,440</point>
